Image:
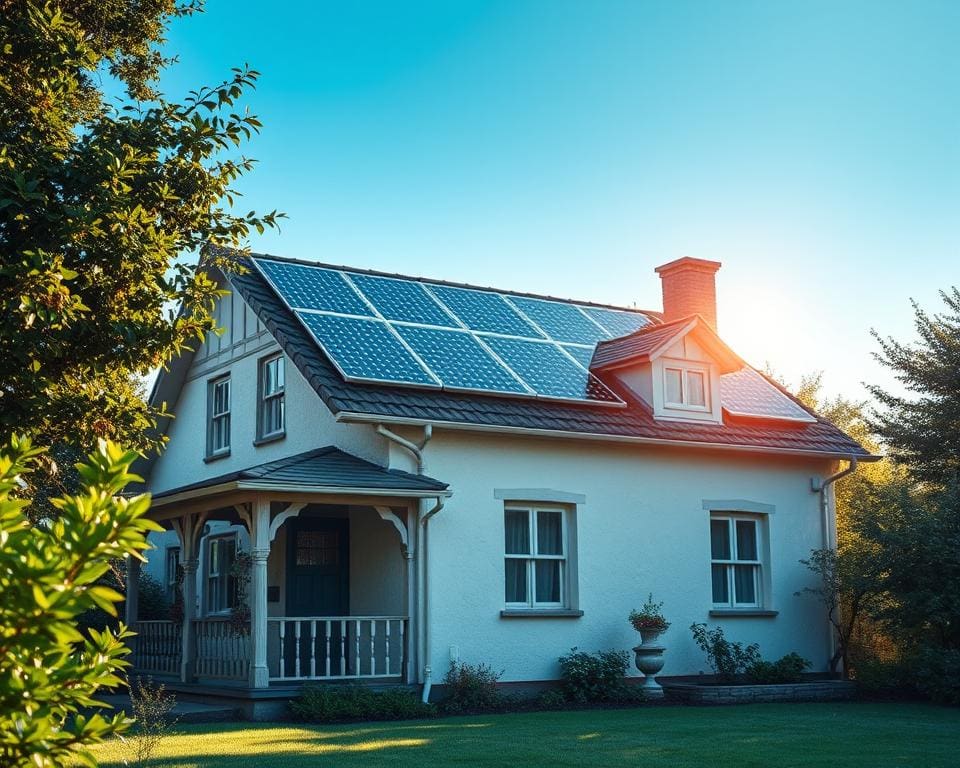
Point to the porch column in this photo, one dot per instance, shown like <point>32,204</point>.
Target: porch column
<point>410,557</point>
<point>131,605</point>
<point>259,552</point>
<point>188,632</point>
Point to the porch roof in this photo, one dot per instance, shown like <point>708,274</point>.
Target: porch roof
<point>321,469</point>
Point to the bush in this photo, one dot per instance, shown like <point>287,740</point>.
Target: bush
<point>727,659</point>
<point>152,709</point>
<point>551,700</point>
<point>789,669</point>
<point>326,704</point>
<point>938,674</point>
<point>597,677</point>
<point>472,689</point>
<point>153,605</point>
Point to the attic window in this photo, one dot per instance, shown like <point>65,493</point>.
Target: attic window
<point>685,387</point>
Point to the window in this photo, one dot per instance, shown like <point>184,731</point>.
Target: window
<point>536,557</point>
<point>221,586</point>
<point>218,422</point>
<point>735,561</point>
<point>685,388</point>
<point>270,409</point>
<point>173,567</point>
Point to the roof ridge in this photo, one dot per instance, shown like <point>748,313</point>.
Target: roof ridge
<point>653,315</point>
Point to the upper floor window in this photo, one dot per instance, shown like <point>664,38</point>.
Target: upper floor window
<point>735,561</point>
<point>271,407</point>
<point>685,387</point>
<point>173,573</point>
<point>218,419</point>
<point>536,557</point>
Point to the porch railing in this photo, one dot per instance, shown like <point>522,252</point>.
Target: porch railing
<point>222,651</point>
<point>336,647</point>
<point>157,647</point>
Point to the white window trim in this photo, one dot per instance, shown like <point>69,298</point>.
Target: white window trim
<point>668,411</point>
<point>567,541</point>
<point>263,398</point>
<point>212,417</point>
<point>223,576</point>
<point>760,565</point>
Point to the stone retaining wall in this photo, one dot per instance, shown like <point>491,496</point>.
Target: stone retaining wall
<point>821,690</point>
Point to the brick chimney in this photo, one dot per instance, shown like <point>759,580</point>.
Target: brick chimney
<point>689,287</point>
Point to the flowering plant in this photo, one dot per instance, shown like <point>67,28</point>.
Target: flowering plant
<point>650,616</point>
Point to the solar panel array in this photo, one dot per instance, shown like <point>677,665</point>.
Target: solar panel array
<point>747,393</point>
<point>404,331</point>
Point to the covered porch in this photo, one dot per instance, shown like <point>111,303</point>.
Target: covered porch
<point>302,570</point>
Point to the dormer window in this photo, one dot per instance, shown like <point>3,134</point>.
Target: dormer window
<point>685,387</point>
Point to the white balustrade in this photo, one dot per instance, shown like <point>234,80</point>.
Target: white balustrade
<point>222,650</point>
<point>157,647</point>
<point>348,647</point>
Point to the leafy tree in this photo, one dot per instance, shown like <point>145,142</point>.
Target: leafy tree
<point>49,575</point>
<point>922,429</point>
<point>106,206</point>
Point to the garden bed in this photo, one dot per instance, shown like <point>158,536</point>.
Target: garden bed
<point>711,693</point>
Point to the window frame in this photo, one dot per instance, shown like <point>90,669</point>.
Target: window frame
<point>225,416</point>
<point>685,369</point>
<point>172,555</point>
<point>225,583</point>
<point>532,557</point>
<point>729,564</point>
<point>263,398</point>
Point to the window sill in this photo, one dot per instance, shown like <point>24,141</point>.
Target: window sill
<point>540,613</point>
<point>732,613</point>
<point>215,456</point>
<point>269,439</point>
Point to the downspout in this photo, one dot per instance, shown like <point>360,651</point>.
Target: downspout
<point>422,517</point>
<point>823,487</point>
<point>425,601</point>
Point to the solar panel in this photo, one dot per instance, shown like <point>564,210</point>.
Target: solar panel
<point>747,393</point>
<point>403,300</point>
<point>582,355</point>
<point>459,360</point>
<point>483,311</point>
<point>304,287</point>
<point>548,371</point>
<point>366,349</point>
<point>562,322</point>
<point>617,322</point>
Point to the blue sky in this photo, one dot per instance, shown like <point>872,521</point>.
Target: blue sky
<point>568,148</point>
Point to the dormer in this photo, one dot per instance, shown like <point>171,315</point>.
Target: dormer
<point>674,367</point>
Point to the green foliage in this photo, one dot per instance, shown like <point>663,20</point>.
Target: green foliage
<point>922,429</point>
<point>106,205</point>
<point>594,677</point>
<point>325,704</point>
<point>551,699</point>
<point>153,711</point>
<point>938,674</point>
<point>49,575</point>
<point>788,669</point>
<point>650,616</point>
<point>472,689</point>
<point>153,605</point>
<point>727,659</point>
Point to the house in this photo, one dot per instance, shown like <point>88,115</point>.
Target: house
<point>383,474</point>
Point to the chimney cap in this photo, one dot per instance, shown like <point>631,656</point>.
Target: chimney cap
<point>688,262</point>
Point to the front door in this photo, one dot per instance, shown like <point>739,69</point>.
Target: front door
<point>318,584</point>
<point>318,567</point>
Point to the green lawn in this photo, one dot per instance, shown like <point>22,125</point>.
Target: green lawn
<point>847,735</point>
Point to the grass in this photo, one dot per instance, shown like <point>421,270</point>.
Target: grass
<point>847,734</point>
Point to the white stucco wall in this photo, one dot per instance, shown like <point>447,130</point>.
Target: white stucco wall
<point>309,423</point>
<point>642,529</point>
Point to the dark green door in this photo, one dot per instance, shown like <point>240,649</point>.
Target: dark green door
<point>318,567</point>
<point>318,584</point>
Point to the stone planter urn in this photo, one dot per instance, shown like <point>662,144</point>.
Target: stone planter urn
<point>649,660</point>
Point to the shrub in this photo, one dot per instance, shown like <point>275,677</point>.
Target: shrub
<point>152,708</point>
<point>472,689</point>
<point>596,677</point>
<point>551,700</point>
<point>789,669</point>
<point>325,704</point>
<point>938,674</point>
<point>727,659</point>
